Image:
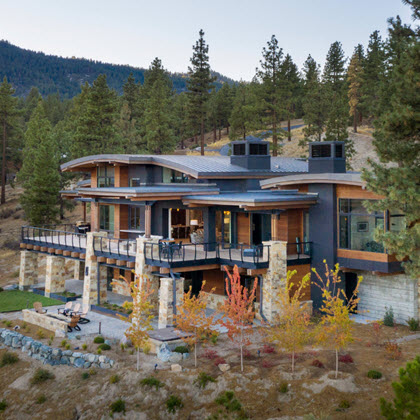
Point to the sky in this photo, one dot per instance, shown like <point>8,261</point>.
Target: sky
<point>134,32</point>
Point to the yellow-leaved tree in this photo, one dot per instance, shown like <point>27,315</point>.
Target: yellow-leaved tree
<point>289,329</point>
<point>336,326</point>
<point>193,320</point>
<point>141,314</point>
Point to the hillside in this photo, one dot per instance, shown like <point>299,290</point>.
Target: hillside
<point>51,74</point>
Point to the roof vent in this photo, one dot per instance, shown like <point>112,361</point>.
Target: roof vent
<point>327,157</point>
<point>251,153</point>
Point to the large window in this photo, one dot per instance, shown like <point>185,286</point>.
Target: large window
<point>106,218</point>
<point>357,226</point>
<point>136,218</point>
<point>105,176</point>
<point>171,176</point>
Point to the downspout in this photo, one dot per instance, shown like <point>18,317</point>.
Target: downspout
<point>98,283</point>
<point>260,278</point>
<point>173,290</point>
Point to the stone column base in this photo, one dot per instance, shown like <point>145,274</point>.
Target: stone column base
<point>28,274</point>
<point>166,306</point>
<point>55,275</point>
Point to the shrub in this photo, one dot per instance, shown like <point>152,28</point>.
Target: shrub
<point>117,406</point>
<point>413,324</point>
<point>122,345</point>
<point>6,213</point>
<point>374,374</point>
<point>346,358</point>
<point>63,343</point>
<point>3,405</point>
<point>181,349</point>
<point>210,354</point>
<point>84,346</point>
<point>389,317</point>
<point>268,348</point>
<point>203,379</point>
<point>40,334</point>
<point>146,348</point>
<point>317,363</point>
<point>214,337</point>
<point>92,371</point>
<point>114,379</point>
<point>8,358</point>
<point>229,401</point>
<point>99,340</point>
<point>393,350</point>
<point>41,375</point>
<point>50,342</point>
<point>41,399</point>
<point>173,403</point>
<point>344,404</point>
<point>152,382</point>
<point>104,346</point>
<point>85,375</point>
<point>8,323</point>
<point>267,364</point>
<point>246,354</point>
<point>99,351</point>
<point>1,289</point>
<point>68,346</point>
<point>284,387</point>
<point>219,361</point>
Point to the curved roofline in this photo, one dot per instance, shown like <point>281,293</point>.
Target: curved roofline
<point>319,178</point>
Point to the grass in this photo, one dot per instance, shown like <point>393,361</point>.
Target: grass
<point>16,300</point>
<point>152,382</point>
<point>41,375</point>
<point>8,358</point>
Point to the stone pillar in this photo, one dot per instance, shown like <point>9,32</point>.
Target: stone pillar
<point>28,274</point>
<point>274,278</point>
<point>90,287</point>
<point>79,270</point>
<point>142,269</point>
<point>55,275</point>
<point>166,301</point>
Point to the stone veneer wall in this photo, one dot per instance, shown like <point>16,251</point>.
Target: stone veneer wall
<point>55,281</point>
<point>28,274</point>
<point>52,356</point>
<point>166,307</point>
<point>397,291</point>
<point>121,287</point>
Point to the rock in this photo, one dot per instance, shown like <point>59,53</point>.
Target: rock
<point>175,357</point>
<point>64,360</point>
<point>164,353</point>
<point>67,353</point>
<point>111,362</point>
<point>102,359</point>
<point>77,354</point>
<point>224,367</point>
<point>107,342</point>
<point>60,333</point>
<point>92,357</point>
<point>56,352</point>
<point>86,365</point>
<point>176,368</point>
<point>185,355</point>
<point>16,342</point>
<point>79,362</point>
<point>105,365</point>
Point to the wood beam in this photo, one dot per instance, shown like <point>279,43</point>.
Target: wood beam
<point>164,270</point>
<point>66,253</point>
<point>148,221</point>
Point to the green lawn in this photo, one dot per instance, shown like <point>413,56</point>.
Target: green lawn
<point>15,300</point>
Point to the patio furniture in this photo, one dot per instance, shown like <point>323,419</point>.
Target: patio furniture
<point>73,323</point>
<point>75,310</point>
<point>83,313</point>
<point>66,310</point>
<point>38,308</point>
<point>170,249</point>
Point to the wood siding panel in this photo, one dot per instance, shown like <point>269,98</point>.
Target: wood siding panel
<point>282,227</point>
<point>301,271</point>
<point>121,176</point>
<point>94,216</point>
<point>364,255</point>
<point>353,191</point>
<point>94,178</point>
<point>295,225</point>
<point>244,228</point>
<point>214,279</point>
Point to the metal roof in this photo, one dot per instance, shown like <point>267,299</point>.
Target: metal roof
<point>197,166</point>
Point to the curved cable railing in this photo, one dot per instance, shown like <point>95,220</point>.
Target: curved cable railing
<point>115,248</point>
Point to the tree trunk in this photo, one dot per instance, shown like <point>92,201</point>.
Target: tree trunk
<point>202,137</point>
<point>227,129</point>
<point>355,121</point>
<point>214,133</point>
<point>274,135</point>
<point>289,133</point>
<point>336,364</point>
<point>293,361</point>
<point>242,353</point>
<point>220,133</point>
<point>182,143</point>
<point>138,358</point>
<point>3,166</point>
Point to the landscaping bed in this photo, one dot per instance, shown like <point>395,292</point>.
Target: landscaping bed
<point>16,300</point>
<point>63,297</point>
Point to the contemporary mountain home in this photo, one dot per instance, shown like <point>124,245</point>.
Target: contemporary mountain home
<point>181,219</point>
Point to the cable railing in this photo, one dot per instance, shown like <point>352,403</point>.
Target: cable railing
<point>115,248</point>
<point>299,250</point>
<point>53,238</point>
<point>244,253</point>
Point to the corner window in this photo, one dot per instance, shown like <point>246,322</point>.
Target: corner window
<point>171,176</point>
<point>105,176</point>
<point>135,182</point>
<point>106,218</point>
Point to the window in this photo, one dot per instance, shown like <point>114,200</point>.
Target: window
<point>357,226</point>
<point>106,218</point>
<point>171,176</point>
<point>136,218</point>
<point>321,150</point>
<point>135,182</point>
<point>105,176</point>
<point>239,149</point>
<point>339,151</point>
<point>257,149</point>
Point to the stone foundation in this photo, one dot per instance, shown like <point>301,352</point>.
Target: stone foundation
<point>214,300</point>
<point>121,287</point>
<point>79,270</point>
<point>397,291</point>
<point>166,307</point>
<point>58,326</point>
<point>28,274</point>
<point>55,275</point>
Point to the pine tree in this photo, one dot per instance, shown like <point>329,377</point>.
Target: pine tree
<point>130,139</point>
<point>95,131</point>
<point>40,171</point>
<point>181,125</point>
<point>31,102</point>
<point>244,119</point>
<point>8,124</point>
<point>315,106</point>
<point>224,103</point>
<point>199,85</point>
<point>272,81</point>
<point>354,78</point>
<point>397,143</point>
<point>131,95</point>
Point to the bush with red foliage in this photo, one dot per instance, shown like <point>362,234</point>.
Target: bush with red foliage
<point>267,364</point>
<point>246,353</point>
<point>317,363</point>
<point>210,354</point>
<point>268,348</point>
<point>345,358</point>
<point>219,361</point>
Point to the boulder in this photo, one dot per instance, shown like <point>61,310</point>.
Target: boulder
<point>102,359</point>
<point>185,355</point>
<point>164,353</point>
<point>105,365</point>
<point>176,368</point>
<point>79,362</point>
<point>86,365</point>
<point>175,357</point>
<point>92,358</point>
<point>67,353</point>
<point>224,367</point>
<point>77,354</point>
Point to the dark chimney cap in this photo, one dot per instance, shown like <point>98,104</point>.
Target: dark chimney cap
<point>327,157</point>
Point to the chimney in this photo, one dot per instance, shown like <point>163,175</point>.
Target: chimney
<point>327,157</point>
<point>251,153</point>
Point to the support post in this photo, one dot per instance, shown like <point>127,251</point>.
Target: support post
<point>28,274</point>
<point>167,305</point>
<point>55,275</point>
<point>148,221</point>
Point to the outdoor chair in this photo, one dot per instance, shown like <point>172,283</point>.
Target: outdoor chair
<point>38,308</point>
<point>83,313</point>
<point>66,310</point>
<point>75,310</point>
<point>73,323</point>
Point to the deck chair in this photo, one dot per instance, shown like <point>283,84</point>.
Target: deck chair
<point>73,323</point>
<point>83,313</point>
<point>66,310</point>
<point>38,308</point>
<point>75,310</point>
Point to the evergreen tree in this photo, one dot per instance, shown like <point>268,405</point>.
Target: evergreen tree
<point>244,119</point>
<point>354,78</point>
<point>126,128</point>
<point>397,143</point>
<point>131,95</point>
<point>40,175</point>
<point>315,106</point>
<point>199,85</point>
<point>8,125</point>
<point>224,105</point>
<point>180,120</point>
<point>270,75</point>
<point>95,131</point>
<point>31,102</point>
<point>55,109</point>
